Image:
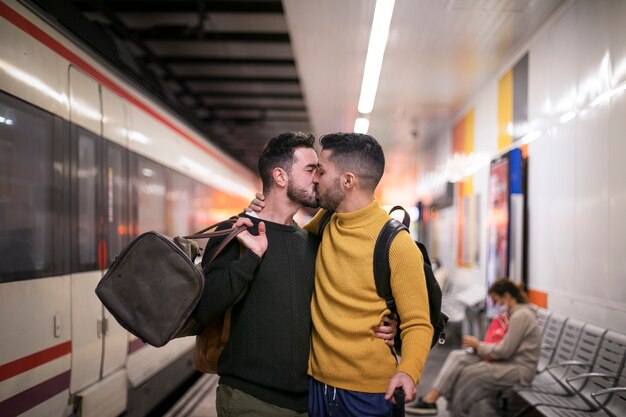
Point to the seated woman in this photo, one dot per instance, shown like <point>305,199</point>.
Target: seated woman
<point>466,377</point>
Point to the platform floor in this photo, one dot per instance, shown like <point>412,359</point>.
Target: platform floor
<point>199,400</point>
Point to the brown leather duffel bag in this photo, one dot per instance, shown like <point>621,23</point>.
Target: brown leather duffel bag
<point>153,285</point>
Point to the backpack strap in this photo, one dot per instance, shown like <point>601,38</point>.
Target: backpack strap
<point>406,220</point>
<point>422,249</point>
<point>382,270</point>
<point>323,222</point>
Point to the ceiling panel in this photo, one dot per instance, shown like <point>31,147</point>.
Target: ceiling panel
<point>243,70</point>
<point>330,39</point>
<point>221,22</point>
<point>243,101</point>
<point>439,53</point>
<point>249,70</point>
<point>221,49</point>
<point>226,65</point>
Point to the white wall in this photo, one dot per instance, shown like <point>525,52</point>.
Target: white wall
<point>577,180</point>
<point>485,141</point>
<point>577,172</point>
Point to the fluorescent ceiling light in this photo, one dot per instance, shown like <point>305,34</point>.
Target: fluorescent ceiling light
<point>375,52</point>
<point>361,125</point>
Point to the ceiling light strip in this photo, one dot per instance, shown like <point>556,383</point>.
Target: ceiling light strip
<point>375,53</point>
<point>361,125</point>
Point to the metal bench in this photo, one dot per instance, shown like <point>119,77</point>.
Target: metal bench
<point>549,340</point>
<point>606,372</point>
<point>543,316</point>
<point>613,406</point>
<point>574,354</point>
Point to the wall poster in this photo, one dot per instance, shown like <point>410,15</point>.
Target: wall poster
<point>498,221</point>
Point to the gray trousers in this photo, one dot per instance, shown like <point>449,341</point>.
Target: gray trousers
<point>468,384</point>
<point>456,361</point>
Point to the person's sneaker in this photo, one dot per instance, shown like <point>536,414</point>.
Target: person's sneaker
<point>421,408</point>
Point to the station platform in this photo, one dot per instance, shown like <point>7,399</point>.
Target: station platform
<point>199,400</point>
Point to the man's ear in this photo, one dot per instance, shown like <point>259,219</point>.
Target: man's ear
<point>348,180</point>
<point>280,176</point>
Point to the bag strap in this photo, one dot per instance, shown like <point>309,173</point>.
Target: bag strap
<point>203,234</point>
<point>229,233</point>
<point>382,270</point>
<point>406,221</point>
<point>422,249</point>
<point>232,234</point>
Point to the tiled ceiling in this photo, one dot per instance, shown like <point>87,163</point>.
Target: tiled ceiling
<point>438,55</point>
<point>243,71</point>
<point>227,66</point>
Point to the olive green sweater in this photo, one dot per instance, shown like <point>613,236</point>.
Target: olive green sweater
<point>268,350</point>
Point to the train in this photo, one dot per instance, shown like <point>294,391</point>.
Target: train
<point>88,160</point>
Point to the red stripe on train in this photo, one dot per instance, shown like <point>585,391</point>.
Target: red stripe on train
<point>22,23</point>
<point>34,396</point>
<point>10,369</point>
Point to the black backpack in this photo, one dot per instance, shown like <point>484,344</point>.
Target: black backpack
<point>382,275</point>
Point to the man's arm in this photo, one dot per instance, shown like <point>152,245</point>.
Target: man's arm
<point>408,286</point>
<point>228,277</point>
<point>313,225</point>
<point>258,203</point>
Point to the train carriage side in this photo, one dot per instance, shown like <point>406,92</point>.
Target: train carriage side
<point>86,162</point>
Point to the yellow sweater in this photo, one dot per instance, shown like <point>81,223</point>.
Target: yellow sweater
<point>345,306</point>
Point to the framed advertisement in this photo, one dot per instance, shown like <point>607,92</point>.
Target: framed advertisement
<point>498,221</point>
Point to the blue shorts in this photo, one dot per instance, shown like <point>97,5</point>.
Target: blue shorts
<point>325,400</point>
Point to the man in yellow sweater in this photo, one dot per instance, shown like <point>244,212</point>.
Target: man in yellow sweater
<point>352,372</point>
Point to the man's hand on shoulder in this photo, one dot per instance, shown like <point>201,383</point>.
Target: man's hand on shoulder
<point>257,204</point>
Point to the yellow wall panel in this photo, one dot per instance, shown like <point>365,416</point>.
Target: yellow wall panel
<point>505,109</point>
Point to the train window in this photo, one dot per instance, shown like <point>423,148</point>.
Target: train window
<point>27,198</point>
<point>85,177</point>
<point>179,204</point>
<point>116,213</point>
<point>150,189</point>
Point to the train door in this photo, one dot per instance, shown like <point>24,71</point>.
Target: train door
<point>116,215</point>
<point>86,157</point>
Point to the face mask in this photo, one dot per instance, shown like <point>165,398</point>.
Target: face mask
<point>499,309</point>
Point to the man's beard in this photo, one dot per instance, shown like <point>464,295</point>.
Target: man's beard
<point>331,199</point>
<point>301,196</point>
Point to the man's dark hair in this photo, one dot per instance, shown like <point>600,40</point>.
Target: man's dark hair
<point>278,152</point>
<point>358,153</point>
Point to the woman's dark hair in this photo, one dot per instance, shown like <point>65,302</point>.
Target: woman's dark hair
<point>504,285</point>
